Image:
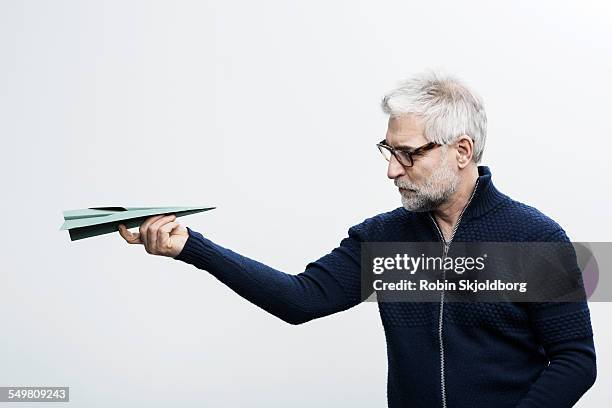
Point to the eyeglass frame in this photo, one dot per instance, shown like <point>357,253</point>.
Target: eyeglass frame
<point>405,154</point>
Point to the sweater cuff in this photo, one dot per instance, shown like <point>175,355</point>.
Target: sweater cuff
<point>197,250</point>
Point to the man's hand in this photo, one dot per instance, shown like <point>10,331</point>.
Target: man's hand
<point>160,235</point>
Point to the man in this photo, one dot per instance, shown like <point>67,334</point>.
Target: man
<point>440,354</point>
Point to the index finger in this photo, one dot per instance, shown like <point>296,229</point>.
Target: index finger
<point>145,225</point>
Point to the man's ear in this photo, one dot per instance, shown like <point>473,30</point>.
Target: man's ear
<point>465,150</point>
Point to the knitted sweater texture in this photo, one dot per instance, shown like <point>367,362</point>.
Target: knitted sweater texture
<point>455,355</point>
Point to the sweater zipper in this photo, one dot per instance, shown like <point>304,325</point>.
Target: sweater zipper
<point>447,245</point>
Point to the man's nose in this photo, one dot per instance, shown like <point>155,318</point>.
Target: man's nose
<point>395,169</point>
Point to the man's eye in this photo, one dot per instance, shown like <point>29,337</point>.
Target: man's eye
<point>405,154</point>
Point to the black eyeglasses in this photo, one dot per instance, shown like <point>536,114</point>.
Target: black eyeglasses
<point>403,156</point>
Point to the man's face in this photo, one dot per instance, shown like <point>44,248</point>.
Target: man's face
<point>432,179</point>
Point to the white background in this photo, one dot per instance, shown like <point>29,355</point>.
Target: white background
<point>268,110</point>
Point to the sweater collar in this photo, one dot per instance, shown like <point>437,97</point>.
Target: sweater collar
<point>486,197</point>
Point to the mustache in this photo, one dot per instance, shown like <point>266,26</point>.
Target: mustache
<point>405,184</point>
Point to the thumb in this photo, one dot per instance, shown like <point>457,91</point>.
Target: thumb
<point>130,237</point>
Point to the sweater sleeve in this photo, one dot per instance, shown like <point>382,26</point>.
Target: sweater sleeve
<point>326,286</point>
<point>568,343</point>
<point>565,333</point>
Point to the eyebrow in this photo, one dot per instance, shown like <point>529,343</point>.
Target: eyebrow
<point>400,147</point>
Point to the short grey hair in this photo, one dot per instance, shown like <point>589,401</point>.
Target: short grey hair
<point>447,107</point>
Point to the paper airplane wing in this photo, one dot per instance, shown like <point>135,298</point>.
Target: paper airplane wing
<point>89,222</point>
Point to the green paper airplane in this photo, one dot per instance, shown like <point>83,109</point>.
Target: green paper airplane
<point>89,222</point>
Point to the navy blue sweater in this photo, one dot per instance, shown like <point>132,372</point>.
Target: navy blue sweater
<point>455,355</point>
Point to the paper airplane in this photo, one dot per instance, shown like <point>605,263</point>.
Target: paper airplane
<point>89,222</point>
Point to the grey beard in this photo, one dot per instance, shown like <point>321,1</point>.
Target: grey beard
<point>435,191</point>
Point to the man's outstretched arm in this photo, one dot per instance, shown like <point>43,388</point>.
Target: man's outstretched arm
<point>328,285</point>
